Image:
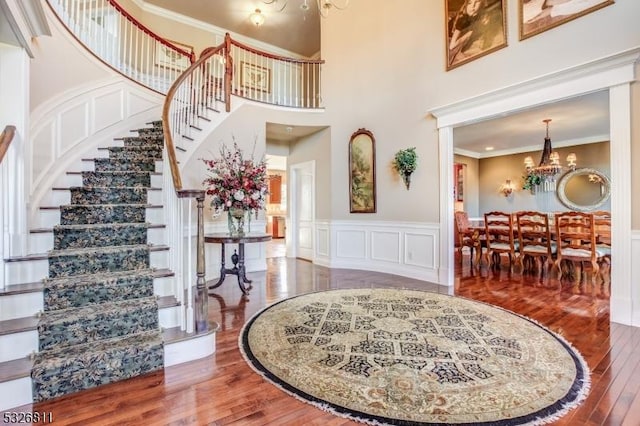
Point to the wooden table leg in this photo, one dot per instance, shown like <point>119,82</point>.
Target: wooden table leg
<point>223,271</point>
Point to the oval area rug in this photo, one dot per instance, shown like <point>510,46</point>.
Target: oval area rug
<point>406,357</point>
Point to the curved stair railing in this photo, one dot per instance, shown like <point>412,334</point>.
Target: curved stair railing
<point>119,40</point>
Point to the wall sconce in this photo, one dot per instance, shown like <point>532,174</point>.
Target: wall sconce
<point>507,189</point>
<point>571,160</point>
<point>257,18</point>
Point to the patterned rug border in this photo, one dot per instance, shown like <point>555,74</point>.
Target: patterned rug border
<point>574,397</point>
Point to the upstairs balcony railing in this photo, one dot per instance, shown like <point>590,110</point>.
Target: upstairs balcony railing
<point>122,42</point>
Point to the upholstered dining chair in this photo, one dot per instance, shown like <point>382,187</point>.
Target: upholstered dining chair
<point>534,240</point>
<point>466,236</point>
<point>576,240</point>
<point>499,232</point>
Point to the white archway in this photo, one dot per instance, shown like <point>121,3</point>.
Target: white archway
<point>615,74</point>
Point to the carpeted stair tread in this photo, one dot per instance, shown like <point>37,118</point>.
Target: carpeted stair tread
<point>99,235</point>
<point>76,291</point>
<point>79,325</point>
<point>98,213</point>
<point>103,195</point>
<point>108,164</point>
<point>119,179</point>
<point>59,372</point>
<point>101,259</point>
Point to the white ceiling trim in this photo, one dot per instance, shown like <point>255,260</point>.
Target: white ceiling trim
<point>187,20</point>
<point>531,148</point>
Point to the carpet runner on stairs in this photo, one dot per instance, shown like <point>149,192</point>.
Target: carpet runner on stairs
<point>100,320</point>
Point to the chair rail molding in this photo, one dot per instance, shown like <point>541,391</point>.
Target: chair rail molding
<point>614,73</point>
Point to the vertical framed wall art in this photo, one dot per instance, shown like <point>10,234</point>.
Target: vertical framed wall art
<point>537,16</point>
<point>474,28</point>
<point>362,172</point>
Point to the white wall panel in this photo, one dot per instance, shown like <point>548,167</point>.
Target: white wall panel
<point>385,246</point>
<point>635,278</point>
<point>419,250</point>
<point>43,156</point>
<point>73,127</point>
<point>323,242</point>
<point>306,238</point>
<point>351,244</point>
<point>108,109</point>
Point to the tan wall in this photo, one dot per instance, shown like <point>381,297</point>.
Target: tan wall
<point>315,147</point>
<point>385,70</point>
<point>495,170</point>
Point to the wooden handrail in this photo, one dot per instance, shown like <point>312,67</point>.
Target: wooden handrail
<point>143,28</point>
<point>276,57</point>
<point>168,139</point>
<point>5,140</point>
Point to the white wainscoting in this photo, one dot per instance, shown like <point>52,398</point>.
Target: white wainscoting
<point>635,278</point>
<point>71,125</point>
<point>408,249</point>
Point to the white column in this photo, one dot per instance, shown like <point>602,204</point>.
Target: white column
<point>622,286</point>
<point>445,148</point>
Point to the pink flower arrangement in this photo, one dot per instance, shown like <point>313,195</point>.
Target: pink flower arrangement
<point>235,182</point>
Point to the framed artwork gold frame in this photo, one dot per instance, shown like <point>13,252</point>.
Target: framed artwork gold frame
<point>537,16</point>
<point>255,77</point>
<point>474,28</point>
<point>362,172</point>
<point>169,58</point>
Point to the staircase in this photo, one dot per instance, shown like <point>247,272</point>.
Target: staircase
<point>100,320</point>
<point>105,297</point>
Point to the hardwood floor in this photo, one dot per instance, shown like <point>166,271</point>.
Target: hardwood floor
<point>222,389</point>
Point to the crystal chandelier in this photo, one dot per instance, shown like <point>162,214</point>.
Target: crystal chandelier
<point>323,5</point>
<point>547,171</point>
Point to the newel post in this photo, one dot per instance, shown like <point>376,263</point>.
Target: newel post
<point>202,308</point>
<point>228,71</point>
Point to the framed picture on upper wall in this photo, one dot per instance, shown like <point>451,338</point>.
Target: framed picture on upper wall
<point>254,77</point>
<point>474,28</point>
<point>537,16</point>
<point>362,172</point>
<point>167,57</point>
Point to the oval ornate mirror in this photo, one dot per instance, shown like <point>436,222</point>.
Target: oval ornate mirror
<point>584,189</point>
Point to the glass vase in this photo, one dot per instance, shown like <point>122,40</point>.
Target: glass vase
<point>235,217</point>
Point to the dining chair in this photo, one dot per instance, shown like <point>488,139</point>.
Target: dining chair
<point>576,240</point>
<point>500,239</point>
<point>602,224</point>
<point>466,236</point>
<point>534,240</point>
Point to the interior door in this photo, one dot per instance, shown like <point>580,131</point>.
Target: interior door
<point>303,214</point>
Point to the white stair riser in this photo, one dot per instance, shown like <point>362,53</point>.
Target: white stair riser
<point>35,270</point>
<point>49,218</point>
<point>42,242</point>
<point>164,286</point>
<point>15,393</point>
<point>18,345</point>
<point>20,305</point>
<point>169,317</point>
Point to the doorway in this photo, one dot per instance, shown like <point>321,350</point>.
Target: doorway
<point>276,207</point>
<point>615,75</point>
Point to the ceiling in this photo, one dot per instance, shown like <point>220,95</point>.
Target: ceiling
<point>291,29</point>
<point>583,119</point>
<point>579,120</point>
